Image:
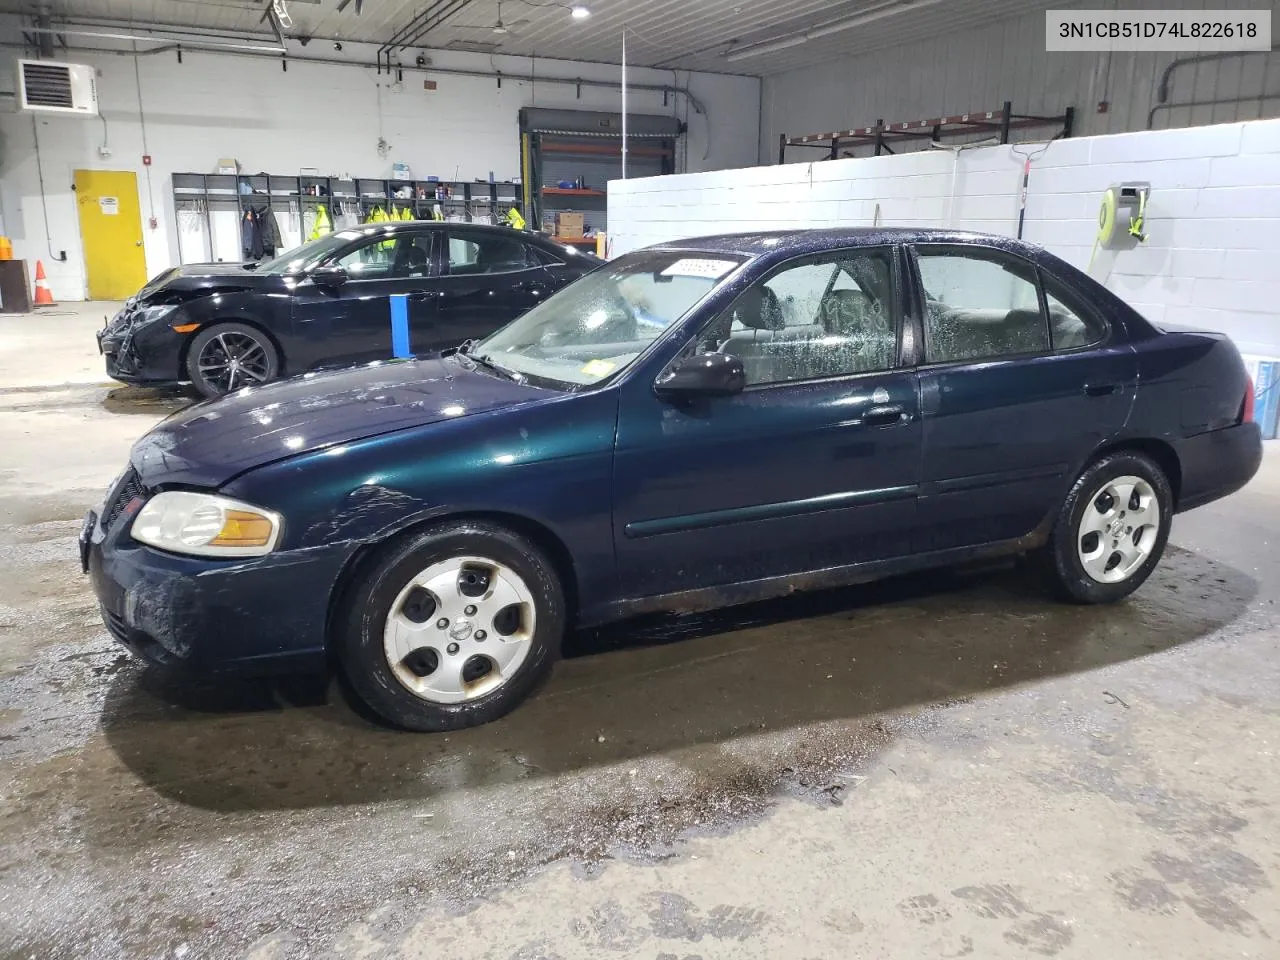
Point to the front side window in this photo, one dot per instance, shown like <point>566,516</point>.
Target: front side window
<point>471,253</point>
<point>299,259</point>
<point>825,316</point>
<point>599,324</point>
<point>404,255</point>
<point>979,305</point>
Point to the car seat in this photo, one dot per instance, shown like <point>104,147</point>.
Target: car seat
<point>410,260</point>
<point>756,316</point>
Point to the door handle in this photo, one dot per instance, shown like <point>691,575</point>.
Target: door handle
<point>1100,389</point>
<point>425,294</point>
<point>884,415</point>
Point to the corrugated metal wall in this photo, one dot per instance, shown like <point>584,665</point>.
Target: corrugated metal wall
<point>981,68</point>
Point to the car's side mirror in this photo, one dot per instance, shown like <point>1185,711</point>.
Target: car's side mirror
<point>329,275</point>
<point>703,375</point>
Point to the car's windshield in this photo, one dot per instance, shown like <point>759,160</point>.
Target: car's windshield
<point>597,325</point>
<point>299,258</point>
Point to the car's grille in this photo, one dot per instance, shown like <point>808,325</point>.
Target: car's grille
<point>130,486</point>
<point>115,623</point>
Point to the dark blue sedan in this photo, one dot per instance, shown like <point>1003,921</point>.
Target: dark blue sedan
<point>692,425</point>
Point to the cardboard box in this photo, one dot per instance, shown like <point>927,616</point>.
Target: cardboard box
<point>569,225</point>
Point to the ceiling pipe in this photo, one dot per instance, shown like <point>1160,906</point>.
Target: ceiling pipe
<point>192,42</point>
<point>889,8</point>
<point>1167,76</point>
<point>444,71</point>
<point>426,21</point>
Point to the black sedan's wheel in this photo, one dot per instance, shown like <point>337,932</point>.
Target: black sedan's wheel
<point>452,627</point>
<point>228,356</point>
<point>1112,529</point>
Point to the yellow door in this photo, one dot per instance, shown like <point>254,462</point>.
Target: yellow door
<point>111,231</point>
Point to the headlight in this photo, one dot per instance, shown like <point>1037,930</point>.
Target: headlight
<point>206,525</point>
<point>149,314</point>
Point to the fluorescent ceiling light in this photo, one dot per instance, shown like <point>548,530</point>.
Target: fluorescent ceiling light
<point>580,12</point>
<point>871,14</point>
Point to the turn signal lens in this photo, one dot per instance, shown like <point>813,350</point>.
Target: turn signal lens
<point>1246,409</point>
<point>242,528</point>
<point>186,328</point>
<point>205,525</point>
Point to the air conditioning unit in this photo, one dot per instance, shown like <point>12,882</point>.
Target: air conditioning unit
<point>49,86</point>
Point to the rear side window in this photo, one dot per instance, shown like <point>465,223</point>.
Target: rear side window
<point>543,257</point>
<point>1071,323</point>
<point>486,253</point>
<point>979,304</point>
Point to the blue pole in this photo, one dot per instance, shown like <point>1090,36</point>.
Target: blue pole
<point>400,325</point>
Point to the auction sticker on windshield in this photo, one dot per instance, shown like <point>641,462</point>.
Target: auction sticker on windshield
<point>598,368</point>
<point>693,267</point>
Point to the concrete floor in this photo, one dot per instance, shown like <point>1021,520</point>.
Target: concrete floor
<point>941,766</point>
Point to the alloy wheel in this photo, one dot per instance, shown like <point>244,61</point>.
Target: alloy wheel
<point>459,629</point>
<point>233,360</point>
<point>1119,530</point>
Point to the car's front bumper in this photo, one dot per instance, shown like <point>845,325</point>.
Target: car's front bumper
<point>199,616</point>
<point>141,354</point>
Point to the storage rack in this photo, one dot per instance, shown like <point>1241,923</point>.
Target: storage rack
<point>585,147</point>
<point>468,201</point>
<point>884,136</point>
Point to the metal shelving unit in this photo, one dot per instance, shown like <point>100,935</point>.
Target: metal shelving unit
<point>461,201</point>
<point>884,136</point>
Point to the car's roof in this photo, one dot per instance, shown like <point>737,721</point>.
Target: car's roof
<point>396,226</point>
<point>793,242</point>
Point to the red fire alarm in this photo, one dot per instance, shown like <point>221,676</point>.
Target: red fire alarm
<point>146,159</point>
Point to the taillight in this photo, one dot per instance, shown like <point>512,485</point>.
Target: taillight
<point>1246,409</point>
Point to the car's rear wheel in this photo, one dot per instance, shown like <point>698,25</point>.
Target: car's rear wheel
<point>1112,529</point>
<point>452,627</point>
<point>227,356</point>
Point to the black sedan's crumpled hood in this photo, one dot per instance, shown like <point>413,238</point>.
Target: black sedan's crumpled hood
<point>209,443</point>
<point>200,276</point>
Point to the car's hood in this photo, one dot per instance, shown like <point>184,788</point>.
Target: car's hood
<point>196,276</point>
<point>209,443</point>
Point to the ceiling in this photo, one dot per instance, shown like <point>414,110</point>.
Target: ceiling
<point>683,34</point>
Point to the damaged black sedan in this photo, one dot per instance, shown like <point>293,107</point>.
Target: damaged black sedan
<point>370,293</point>
<point>692,425</point>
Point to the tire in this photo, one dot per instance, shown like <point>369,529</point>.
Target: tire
<point>484,660</point>
<point>211,349</point>
<point>1082,565</point>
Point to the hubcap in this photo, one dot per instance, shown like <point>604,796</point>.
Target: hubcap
<point>1119,529</point>
<point>233,360</point>
<point>459,629</point>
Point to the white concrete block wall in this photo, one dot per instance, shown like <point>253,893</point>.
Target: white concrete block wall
<point>1212,258</point>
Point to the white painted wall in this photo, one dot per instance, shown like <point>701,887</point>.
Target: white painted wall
<point>1213,219</point>
<point>313,115</point>
<point>980,68</point>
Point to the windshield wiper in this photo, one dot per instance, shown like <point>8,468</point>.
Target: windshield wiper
<point>499,369</point>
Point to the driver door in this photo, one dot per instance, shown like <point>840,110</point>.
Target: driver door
<point>351,322</point>
<point>814,465</point>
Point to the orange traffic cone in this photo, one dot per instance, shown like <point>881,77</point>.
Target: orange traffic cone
<point>44,296</point>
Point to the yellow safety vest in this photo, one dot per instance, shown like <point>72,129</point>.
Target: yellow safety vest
<point>322,226</point>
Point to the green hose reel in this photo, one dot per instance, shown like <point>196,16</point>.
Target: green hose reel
<point>1122,217</point>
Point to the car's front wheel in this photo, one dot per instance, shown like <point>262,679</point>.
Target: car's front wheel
<point>451,627</point>
<point>227,356</point>
<point>1111,530</point>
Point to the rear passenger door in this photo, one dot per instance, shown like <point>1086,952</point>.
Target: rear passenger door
<point>490,277</point>
<point>813,465</point>
<point>1019,382</point>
